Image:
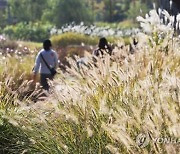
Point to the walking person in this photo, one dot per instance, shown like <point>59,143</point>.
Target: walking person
<point>46,64</point>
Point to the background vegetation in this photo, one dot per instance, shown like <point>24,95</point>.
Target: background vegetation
<point>61,12</point>
<point>32,20</point>
<point>99,107</point>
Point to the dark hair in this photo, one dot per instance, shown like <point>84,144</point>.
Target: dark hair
<point>102,43</point>
<point>47,44</point>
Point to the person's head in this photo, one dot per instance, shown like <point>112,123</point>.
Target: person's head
<point>102,43</point>
<point>47,44</point>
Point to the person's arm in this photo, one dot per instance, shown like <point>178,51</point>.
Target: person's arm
<point>36,67</point>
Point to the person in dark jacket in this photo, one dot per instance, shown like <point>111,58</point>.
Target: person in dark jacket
<point>103,47</point>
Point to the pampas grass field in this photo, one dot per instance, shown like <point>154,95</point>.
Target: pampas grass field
<point>100,108</point>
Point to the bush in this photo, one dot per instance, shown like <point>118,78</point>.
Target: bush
<point>9,31</point>
<point>63,40</point>
<point>70,44</point>
<point>6,44</point>
<point>30,32</point>
<point>136,9</point>
<point>64,12</point>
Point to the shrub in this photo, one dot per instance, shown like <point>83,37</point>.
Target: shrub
<point>65,13</point>
<point>65,39</point>
<point>9,31</point>
<point>28,31</point>
<point>135,9</point>
<point>7,45</point>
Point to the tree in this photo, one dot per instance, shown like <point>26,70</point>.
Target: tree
<point>136,8</point>
<point>115,10</point>
<point>27,10</point>
<point>67,11</point>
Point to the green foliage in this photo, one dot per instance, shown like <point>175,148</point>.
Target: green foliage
<point>125,24</point>
<point>68,11</point>
<point>9,31</point>
<point>136,8</point>
<point>60,12</point>
<point>27,10</point>
<point>65,39</point>
<point>115,11</point>
<point>3,18</point>
<point>30,32</point>
<point>128,24</point>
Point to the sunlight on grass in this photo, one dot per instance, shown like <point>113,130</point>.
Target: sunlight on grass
<point>102,107</point>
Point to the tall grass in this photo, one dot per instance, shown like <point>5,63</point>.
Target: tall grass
<point>102,108</point>
<point>16,80</point>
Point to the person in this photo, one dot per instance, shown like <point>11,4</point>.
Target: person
<point>103,47</point>
<point>45,60</point>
